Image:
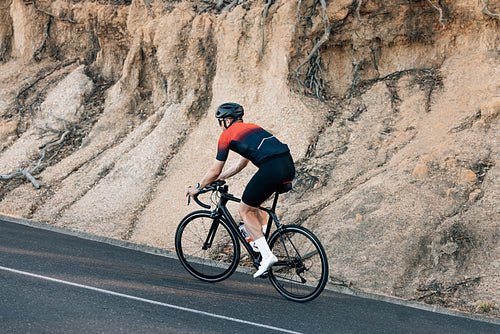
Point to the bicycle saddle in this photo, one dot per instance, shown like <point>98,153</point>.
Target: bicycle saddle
<point>285,187</point>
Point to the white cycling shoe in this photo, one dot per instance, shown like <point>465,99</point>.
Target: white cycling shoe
<point>265,264</point>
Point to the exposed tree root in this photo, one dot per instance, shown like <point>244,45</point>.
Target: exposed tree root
<point>38,51</point>
<point>314,81</point>
<point>25,89</point>
<point>6,7</point>
<point>423,76</point>
<point>264,14</point>
<point>439,10</point>
<point>355,68</point>
<point>28,174</point>
<point>5,47</point>
<point>48,13</point>
<point>486,11</point>
<point>228,7</point>
<point>311,82</point>
<point>452,287</point>
<point>357,11</point>
<point>219,5</point>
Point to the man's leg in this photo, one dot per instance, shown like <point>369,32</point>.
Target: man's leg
<point>254,219</point>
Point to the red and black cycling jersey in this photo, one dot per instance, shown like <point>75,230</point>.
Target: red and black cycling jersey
<point>250,141</point>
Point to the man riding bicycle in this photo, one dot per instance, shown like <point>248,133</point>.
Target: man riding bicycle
<point>265,151</point>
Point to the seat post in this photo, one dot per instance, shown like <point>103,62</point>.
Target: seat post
<point>275,201</point>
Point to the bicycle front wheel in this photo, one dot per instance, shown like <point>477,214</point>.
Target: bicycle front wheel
<point>301,272</point>
<point>207,248</point>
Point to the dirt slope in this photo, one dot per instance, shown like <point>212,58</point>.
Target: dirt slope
<point>393,124</point>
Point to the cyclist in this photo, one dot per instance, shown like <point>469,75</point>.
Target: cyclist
<point>275,168</point>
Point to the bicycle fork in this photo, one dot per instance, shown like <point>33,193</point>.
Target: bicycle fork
<point>211,235</point>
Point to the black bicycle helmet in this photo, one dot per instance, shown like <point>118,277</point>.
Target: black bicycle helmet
<point>232,110</point>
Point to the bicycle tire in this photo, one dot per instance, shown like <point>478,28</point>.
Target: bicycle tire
<point>218,261</point>
<point>301,272</point>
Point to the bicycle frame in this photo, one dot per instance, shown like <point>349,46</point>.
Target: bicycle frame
<point>222,211</point>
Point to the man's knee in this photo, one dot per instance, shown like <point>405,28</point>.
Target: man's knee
<point>245,209</point>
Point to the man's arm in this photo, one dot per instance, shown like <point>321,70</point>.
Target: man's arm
<point>210,176</point>
<point>234,169</point>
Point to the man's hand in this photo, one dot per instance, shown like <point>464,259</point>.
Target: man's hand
<point>192,191</point>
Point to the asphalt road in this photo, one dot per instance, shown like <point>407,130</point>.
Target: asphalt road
<point>58,283</point>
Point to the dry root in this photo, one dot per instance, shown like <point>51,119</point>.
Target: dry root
<point>486,11</point>
<point>313,83</point>
<point>28,174</point>
<point>440,11</point>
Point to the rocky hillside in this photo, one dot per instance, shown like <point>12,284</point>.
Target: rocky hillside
<point>391,109</point>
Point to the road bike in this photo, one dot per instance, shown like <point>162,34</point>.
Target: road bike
<point>206,242</point>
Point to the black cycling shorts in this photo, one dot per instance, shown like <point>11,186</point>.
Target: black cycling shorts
<point>272,174</point>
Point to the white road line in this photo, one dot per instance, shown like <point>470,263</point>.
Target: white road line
<point>147,300</point>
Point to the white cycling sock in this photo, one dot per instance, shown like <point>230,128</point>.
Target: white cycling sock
<point>263,247</point>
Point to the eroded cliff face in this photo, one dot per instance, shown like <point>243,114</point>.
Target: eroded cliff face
<point>393,124</point>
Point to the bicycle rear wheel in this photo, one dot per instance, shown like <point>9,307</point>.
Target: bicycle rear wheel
<point>207,248</point>
<point>301,272</point>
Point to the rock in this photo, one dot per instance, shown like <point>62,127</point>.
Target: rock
<point>449,248</point>
<point>467,176</point>
<point>7,130</point>
<point>490,111</point>
<point>421,171</point>
<point>474,195</point>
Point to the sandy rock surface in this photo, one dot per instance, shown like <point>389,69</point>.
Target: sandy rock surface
<point>394,126</point>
